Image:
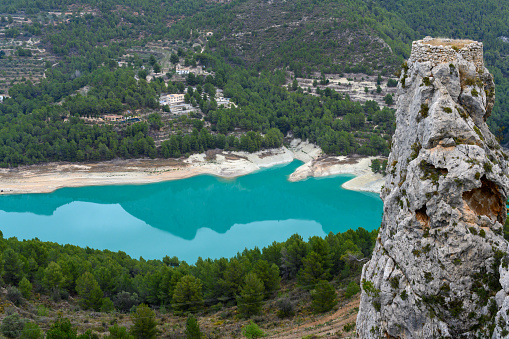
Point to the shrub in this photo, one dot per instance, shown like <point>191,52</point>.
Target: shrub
<point>348,327</point>
<point>404,295</point>
<point>57,294</point>
<point>14,295</point>
<point>88,334</point>
<point>12,325</point>
<point>392,83</point>
<point>286,308</point>
<point>61,329</point>
<point>416,148</point>
<point>352,289</point>
<point>423,113</point>
<point>478,131</point>
<point>25,288</point>
<point>192,328</point>
<point>107,305</point>
<point>252,331</point>
<point>323,297</point>
<point>124,301</point>
<point>42,311</point>
<point>370,289</point>
<point>31,331</point>
<point>488,167</point>
<point>118,332</point>
<point>388,99</point>
<point>217,307</point>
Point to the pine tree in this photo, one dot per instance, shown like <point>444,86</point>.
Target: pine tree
<point>192,328</point>
<point>251,296</point>
<point>312,271</point>
<point>26,288</point>
<point>53,276</point>
<point>268,274</point>
<point>61,329</point>
<point>188,294</point>
<point>144,323</point>
<point>291,256</point>
<point>352,289</point>
<point>323,297</point>
<point>13,267</point>
<point>89,291</point>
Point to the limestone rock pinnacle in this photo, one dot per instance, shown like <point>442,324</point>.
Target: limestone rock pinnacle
<point>440,265</point>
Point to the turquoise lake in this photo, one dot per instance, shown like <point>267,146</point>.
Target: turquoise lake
<point>201,216</point>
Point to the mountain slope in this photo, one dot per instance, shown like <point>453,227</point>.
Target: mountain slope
<point>307,36</point>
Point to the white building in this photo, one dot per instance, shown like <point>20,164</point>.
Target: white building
<point>171,99</point>
<point>182,71</point>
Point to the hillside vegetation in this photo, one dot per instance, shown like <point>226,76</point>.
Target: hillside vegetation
<point>484,21</point>
<point>253,44</point>
<point>47,121</point>
<point>256,50</point>
<point>286,280</point>
<point>328,36</point>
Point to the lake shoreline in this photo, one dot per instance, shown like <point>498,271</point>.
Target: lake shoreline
<point>49,177</point>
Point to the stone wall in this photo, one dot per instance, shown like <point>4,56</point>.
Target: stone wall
<point>441,51</point>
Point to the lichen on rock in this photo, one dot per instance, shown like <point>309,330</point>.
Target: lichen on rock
<point>440,264</point>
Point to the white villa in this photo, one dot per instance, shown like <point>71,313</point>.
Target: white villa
<point>171,99</point>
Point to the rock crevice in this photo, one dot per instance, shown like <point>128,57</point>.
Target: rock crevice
<point>440,265</point>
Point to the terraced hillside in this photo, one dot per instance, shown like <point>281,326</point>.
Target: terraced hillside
<point>333,37</point>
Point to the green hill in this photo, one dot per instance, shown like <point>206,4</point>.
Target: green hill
<point>307,36</point>
<point>254,43</point>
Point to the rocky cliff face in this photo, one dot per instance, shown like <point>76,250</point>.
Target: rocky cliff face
<point>440,265</point>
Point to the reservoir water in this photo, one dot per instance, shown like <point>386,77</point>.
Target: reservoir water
<point>201,216</point>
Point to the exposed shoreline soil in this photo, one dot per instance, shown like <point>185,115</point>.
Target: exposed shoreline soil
<point>49,177</point>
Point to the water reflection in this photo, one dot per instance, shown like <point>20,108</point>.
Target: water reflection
<point>189,215</point>
<point>111,227</point>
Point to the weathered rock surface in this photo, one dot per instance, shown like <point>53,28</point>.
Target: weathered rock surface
<point>440,265</point>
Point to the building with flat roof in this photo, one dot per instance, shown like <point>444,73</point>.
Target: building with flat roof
<point>171,99</point>
<point>113,117</point>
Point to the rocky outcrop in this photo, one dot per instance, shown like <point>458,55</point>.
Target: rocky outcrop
<point>440,265</point>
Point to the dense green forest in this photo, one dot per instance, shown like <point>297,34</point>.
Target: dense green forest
<point>113,282</point>
<point>42,122</point>
<point>36,129</point>
<point>281,274</point>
